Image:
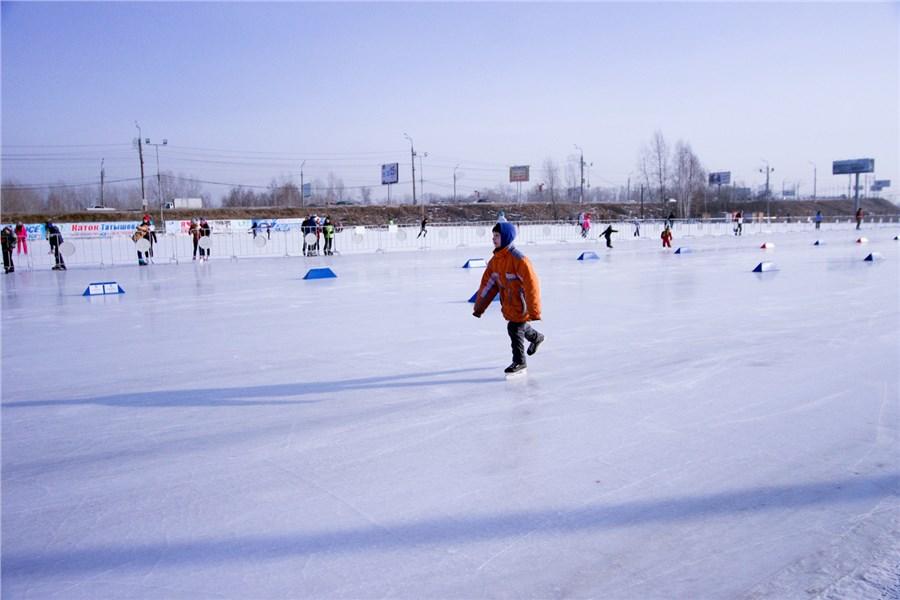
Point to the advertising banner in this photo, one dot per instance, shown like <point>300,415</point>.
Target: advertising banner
<point>519,173</point>
<point>390,173</point>
<point>856,165</point>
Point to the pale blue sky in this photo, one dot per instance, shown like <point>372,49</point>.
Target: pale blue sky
<point>485,85</point>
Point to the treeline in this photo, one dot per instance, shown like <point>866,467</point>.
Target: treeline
<point>61,198</point>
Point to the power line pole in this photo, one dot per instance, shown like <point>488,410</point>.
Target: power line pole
<point>454,183</point>
<point>581,166</point>
<point>141,158</point>
<point>814,178</point>
<point>102,173</point>
<point>767,170</point>
<point>159,193</point>
<point>412,158</point>
<point>302,189</point>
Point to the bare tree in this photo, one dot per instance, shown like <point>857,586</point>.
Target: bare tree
<point>365,193</point>
<point>653,164</point>
<point>688,176</point>
<point>551,177</point>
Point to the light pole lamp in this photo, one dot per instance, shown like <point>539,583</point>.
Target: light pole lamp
<point>159,193</point>
<point>814,178</point>
<point>412,158</point>
<point>581,167</point>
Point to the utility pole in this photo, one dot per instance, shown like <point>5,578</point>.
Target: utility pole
<point>814,178</point>
<point>422,155</point>
<point>628,189</point>
<point>454,183</point>
<point>101,181</point>
<point>767,170</point>
<point>412,158</point>
<point>302,191</point>
<point>141,158</point>
<point>159,193</point>
<point>581,166</point>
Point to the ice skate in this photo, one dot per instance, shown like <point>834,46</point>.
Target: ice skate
<point>533,346</point>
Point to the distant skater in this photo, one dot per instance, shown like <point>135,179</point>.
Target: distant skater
<point>818,219</point>
<point>607,233</point>
<point>586,225</point>
<point>637,228</point>
<point>666,237</point>
<point>859,217</point>
<point>510,274</point>
<point>194,231</point>
<point>142,232</point>
<point>738,223</point>
<point>423,232</point>
<point>8,241</point>
<point>21,238</point>
<point>205,231</point>
<point>54,236</point>
<point>328,233</point>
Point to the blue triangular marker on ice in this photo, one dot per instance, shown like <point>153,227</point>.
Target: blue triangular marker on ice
<point>103,288</point>
<point>764,267</point>
<point>320,273</point>
<point>588,256</point>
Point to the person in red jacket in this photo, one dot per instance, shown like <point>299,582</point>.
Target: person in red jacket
<point>510,274</point>
<point>666,237</point>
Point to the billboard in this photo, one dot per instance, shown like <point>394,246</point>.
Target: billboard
<point>519,173</point>
<point>307,190</point>
<point>390,173</point>
<point>880,184</point>
<point>855,165</point>
<point>720,178</point>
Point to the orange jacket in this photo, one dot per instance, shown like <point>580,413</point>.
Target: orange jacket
<point>510,274</point>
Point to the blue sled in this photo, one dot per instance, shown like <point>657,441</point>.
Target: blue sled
<point>588,256</point>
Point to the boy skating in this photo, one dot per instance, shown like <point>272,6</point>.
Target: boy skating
<point>510,274</point>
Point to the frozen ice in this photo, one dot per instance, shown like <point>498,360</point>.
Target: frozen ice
<point>226,429</point>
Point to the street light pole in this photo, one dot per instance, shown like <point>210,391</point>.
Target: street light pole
<point>159,193</point>
<point>412,158</point>
<point>141,158</point>
<point>767,171</point>
<point>581,166</point>
<point>454,183</point>
<point>102,173</point>
<point>814,178</point>
<point>302,192</point>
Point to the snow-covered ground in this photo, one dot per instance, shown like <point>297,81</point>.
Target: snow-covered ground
<point>688,430</point>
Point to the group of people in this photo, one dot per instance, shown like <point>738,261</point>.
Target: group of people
<point>200,228</point>
<point>313,225</point>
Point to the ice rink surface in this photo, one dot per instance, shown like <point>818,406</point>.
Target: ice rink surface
<point>688,430</point>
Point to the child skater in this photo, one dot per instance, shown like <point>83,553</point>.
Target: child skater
<point>510,274</point>
<point>666,237</point>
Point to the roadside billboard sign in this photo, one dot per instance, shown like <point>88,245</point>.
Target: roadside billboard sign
<point>855,165</point>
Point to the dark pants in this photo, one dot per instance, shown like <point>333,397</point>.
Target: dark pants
<point>518,333</point>
<point>7,259</point>
<point>328,246</point>
<point>817,224</point>
<point>196,246</point>
<point>58,256</point>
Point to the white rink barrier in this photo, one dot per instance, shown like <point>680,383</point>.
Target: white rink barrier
<point>177,247</point>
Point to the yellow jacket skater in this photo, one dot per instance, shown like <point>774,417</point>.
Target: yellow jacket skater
<point>510,274</point>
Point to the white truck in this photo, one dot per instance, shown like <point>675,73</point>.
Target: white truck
<point>182,203</point>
